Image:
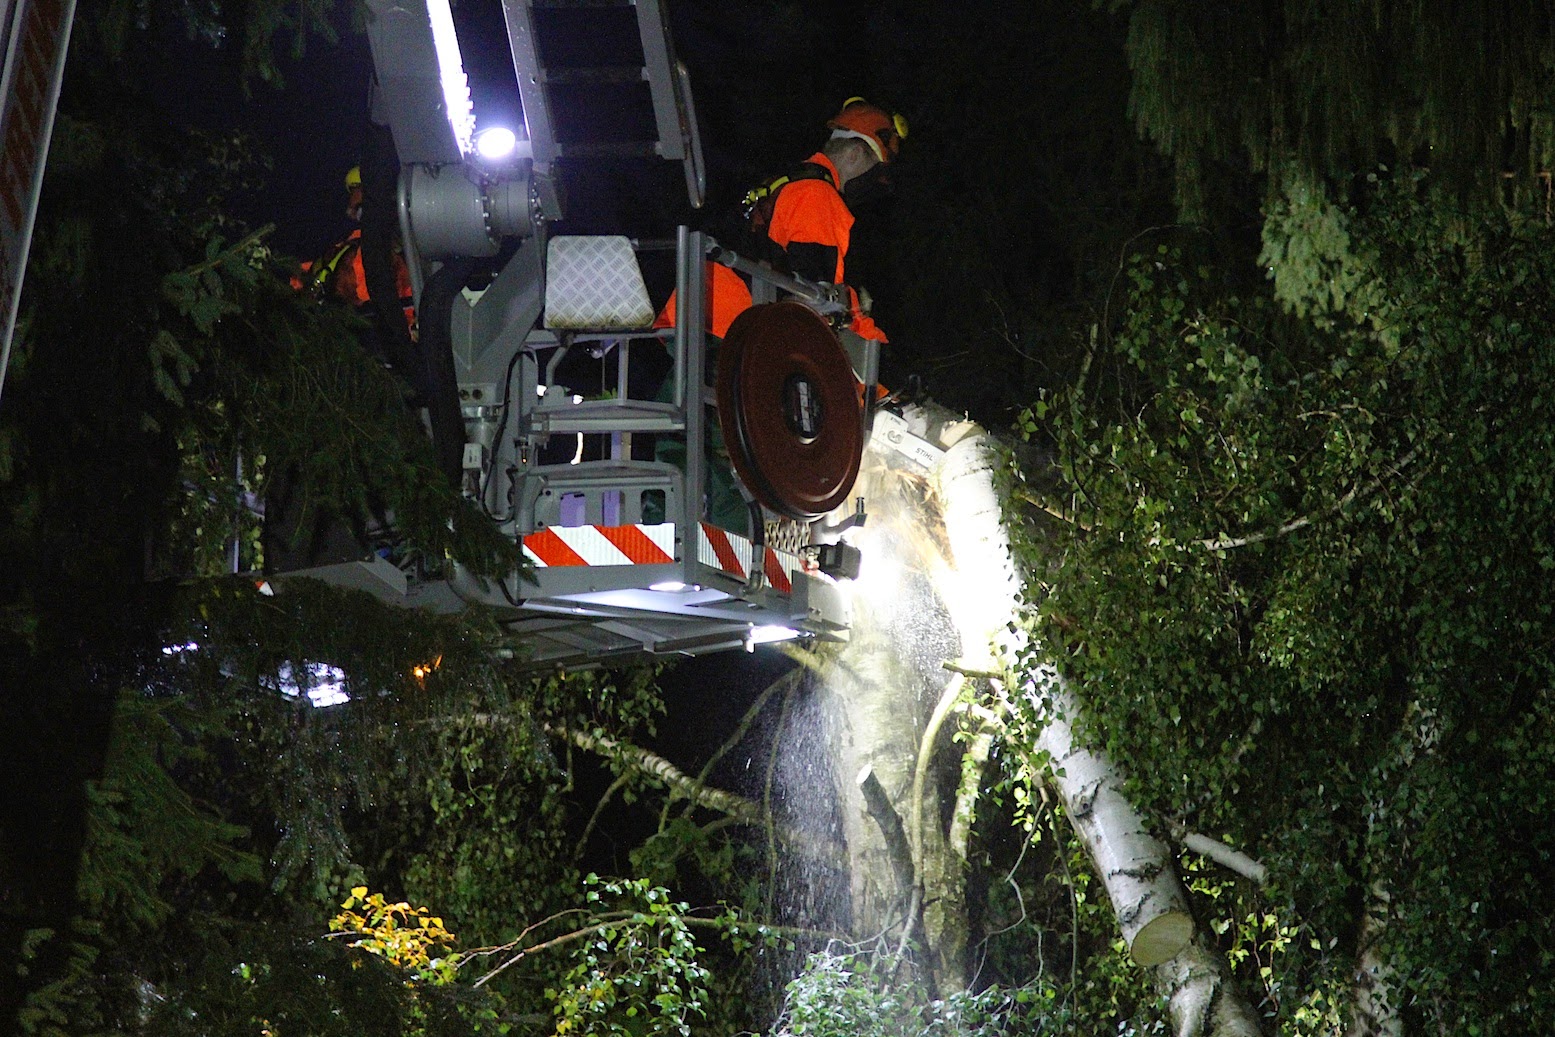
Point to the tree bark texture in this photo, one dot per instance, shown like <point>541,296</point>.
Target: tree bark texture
<point>890,721</point>
<point>1203,1001</point>
<point>1134,865</point>
<point>984,595</point>
<point>878,693</point>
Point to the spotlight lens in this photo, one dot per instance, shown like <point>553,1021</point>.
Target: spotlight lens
<point>765,635</point>
<point>496,143</point>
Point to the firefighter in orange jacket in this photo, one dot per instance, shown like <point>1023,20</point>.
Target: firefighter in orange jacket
<point>810,224</point>
<point>339,271</point>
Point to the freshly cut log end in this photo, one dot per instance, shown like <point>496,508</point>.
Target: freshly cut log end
<point>1161,939</point>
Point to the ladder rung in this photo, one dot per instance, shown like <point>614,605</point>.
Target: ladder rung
<point>607,416</point>
<point>608,475</point>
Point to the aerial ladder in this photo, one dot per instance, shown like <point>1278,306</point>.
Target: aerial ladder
<point>625,557</point>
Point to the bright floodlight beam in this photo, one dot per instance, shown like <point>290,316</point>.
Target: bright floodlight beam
<point>323,684</point>
<point>496,144</point>
<point>450,68</point>
<point>768,634</point>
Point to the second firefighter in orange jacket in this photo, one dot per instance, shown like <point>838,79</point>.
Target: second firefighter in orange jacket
<point>339,272</point>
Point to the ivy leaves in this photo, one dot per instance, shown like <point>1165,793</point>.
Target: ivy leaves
<point>1304,588</point>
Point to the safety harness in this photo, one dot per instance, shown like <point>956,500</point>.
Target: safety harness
<point>323,273</point>
<point>759,201</point>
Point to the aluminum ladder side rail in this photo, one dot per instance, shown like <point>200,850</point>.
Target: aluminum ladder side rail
<point>669,87</point>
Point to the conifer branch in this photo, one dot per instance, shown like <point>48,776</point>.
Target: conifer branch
<point>241,247</point>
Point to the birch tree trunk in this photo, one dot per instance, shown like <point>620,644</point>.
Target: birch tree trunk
<point>1203,999</point>
<point>1136,869</point>
<point>937,558</point>
<point>1134,865</point>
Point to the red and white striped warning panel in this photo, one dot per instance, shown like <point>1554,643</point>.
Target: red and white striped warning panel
<point>602,545</point>
<point>732,553</point>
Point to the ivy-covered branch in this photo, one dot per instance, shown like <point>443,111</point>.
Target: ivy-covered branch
<point>683,785</point>
<point>1294,525</point>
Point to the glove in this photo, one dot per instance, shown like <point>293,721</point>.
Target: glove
<point>833,298</point>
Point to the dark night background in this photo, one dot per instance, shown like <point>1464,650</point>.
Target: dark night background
<point>1289,534</point>
<point>1017,186</point>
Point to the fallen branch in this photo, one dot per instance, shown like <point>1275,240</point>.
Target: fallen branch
<point>672,777</point>
<point>890,825</point>
<point>1221,854</point>
<point>1028,497</point>
<point>968,671</point>
<point>783,683</point>
<point>615,918</point>
<point>681,784</point>
<point>947,702</point>
<point>241,248</point>
<point>599,809</point>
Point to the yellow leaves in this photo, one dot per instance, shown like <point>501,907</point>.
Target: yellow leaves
<point>410,938</point>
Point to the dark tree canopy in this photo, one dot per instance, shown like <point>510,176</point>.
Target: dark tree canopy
<point>1339,87</point>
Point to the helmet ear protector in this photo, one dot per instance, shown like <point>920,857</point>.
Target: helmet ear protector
<point>354,192</point>
<point>883,131</point>
<point>898,120</point>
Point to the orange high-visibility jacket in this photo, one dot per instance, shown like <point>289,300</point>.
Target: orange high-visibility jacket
<point>812,224</point>
<point>340,271</point>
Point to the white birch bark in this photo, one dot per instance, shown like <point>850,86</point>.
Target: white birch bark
<point>1134,865</point>
<point>1375,1011</point>
<point>1136,869</point>
<point>1203,999</point>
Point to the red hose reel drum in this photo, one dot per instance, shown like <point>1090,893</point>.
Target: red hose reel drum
<point>788,404</point>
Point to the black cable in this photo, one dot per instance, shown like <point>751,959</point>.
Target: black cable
<point>496,440</point>
<point>380,169</point>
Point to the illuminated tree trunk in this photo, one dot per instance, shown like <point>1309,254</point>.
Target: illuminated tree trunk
<point>880,692</point>
<point>891,710</point>
<point>872,725</point>
<point>983,592</point>
<point>939,586</point>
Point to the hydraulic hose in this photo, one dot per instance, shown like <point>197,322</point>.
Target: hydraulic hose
<point>441,392</point>
<point>380,168</point>
<point>427,364</point>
